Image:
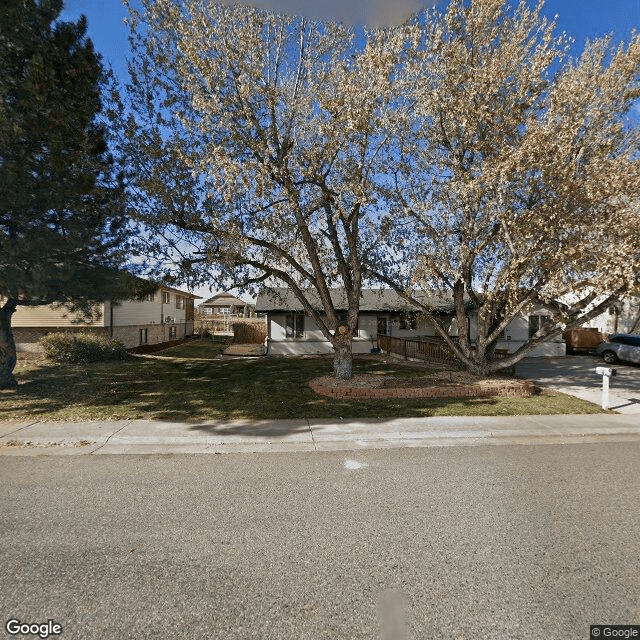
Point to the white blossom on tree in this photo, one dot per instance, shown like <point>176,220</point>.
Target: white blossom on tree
<point>461,151</point>
<point>518,175</point>
<point>257,142</point>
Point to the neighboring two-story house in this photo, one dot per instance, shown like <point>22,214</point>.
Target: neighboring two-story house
<point>225,304</point>
<point>164,315</point>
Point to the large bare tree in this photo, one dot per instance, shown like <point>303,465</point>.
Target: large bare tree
<point>518,175</point>
<point>257,144</point>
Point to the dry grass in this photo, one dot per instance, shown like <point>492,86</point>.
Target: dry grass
<point>191,382</point>
<point>498,385</point>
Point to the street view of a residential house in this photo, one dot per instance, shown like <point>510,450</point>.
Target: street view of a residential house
<point>161,316</point>
<point>225,304</point>
<point>382,312</point>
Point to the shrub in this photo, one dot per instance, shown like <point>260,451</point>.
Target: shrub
<point>249,332</point>
<point>82,347</point>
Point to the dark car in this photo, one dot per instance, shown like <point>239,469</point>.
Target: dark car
<point>621,346</point>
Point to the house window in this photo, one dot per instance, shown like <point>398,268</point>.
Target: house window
<point>224,311</point>
<point>144,336</point>
<point>173,332</point>
<point>179,302</point>
<point>295,325</point>
<point>408,321</point>
<point>535,323</point>
<point>382,325</point>
<point>166,297</point>
<point>149,297</point>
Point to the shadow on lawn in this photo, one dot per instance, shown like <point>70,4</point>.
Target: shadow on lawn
<point>217,390</point>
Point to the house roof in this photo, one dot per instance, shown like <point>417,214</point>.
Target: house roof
<point>224,299</point>
<point>148,285</point>
<point>282,299</point>
<point>180,291</point>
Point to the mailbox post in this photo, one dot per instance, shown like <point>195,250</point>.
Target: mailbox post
<point>606,373</point>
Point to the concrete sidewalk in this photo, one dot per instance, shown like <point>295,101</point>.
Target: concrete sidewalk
<point>144,436</point>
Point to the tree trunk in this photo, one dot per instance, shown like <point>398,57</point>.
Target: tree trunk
<point>478,364</point>
<point>343,356</point>
<point>8,356</point>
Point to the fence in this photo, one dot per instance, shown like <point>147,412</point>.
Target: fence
<point>428,348</point>
<point>220,324</point>
<point>421,349</point>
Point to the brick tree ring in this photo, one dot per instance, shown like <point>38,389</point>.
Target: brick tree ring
<point>331,388</point>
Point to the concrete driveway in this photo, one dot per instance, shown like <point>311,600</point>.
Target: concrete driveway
<point>576,375</point>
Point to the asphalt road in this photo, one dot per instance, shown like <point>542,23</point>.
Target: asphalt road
<point>462,543</point>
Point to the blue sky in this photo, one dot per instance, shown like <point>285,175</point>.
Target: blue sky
<point>579,18</point>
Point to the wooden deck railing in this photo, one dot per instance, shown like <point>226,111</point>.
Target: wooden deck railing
<point>421,349</point>
<point>427,348</point>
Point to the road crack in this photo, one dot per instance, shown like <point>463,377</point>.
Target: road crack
<point>115,433</point>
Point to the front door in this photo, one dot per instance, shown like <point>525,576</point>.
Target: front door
<point>382,325</point>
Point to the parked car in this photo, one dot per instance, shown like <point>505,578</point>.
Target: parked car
<point>621,346</point>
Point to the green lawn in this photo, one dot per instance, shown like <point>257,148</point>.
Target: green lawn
<point>188,383</point>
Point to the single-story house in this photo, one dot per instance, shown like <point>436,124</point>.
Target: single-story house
<point>382,311</point>
<point>225,304</point>
<point>621,317</point>
<point>164,315</point>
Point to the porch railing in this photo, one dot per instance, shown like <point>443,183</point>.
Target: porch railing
<point>422,349</point>
<point>427,348</point>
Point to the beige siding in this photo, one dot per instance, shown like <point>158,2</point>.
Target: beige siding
<point>128,318</point>
<point>144,312</point>
<point>178,314</point>
<point>137,312</point>
<point>52,316</point>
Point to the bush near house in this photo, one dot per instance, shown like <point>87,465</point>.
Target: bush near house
<point>70,348</point>
<point>249,332</point>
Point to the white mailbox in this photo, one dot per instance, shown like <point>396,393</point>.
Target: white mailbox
<point>606,373</point>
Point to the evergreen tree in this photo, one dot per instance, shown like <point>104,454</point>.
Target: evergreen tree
<point>62,226</point>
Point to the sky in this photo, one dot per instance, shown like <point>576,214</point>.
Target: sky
<point>580,19</point>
